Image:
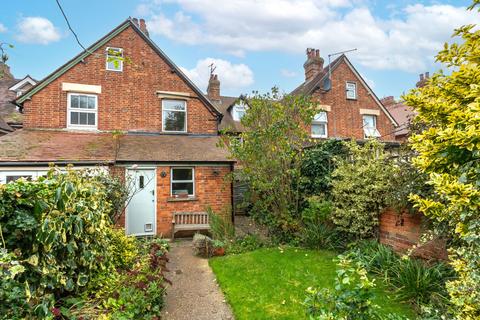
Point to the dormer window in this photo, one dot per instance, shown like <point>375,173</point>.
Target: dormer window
<point>19,93</point>
<point>370,126</point>
<point>114,58</point>
<point>319,125</point>
<point>174,115</point>
<point>239,111</point>
<point>82,111</point>
<point>351,90</point>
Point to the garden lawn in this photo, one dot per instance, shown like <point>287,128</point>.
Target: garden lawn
<point>270,283</point>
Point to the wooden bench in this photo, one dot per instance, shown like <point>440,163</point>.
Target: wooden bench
<point>189,221</point>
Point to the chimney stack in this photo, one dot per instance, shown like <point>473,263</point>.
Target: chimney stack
<point>213,89</point>
<point>5,73</point>
<point>423,79</point>
<point>143,27</point>
<point>388,101</point>
<point>313,65</point>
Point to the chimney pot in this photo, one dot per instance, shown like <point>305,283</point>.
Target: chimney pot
<point>135,21</point>
<point>313,65</point>
<point>427,75</point>
<point>421,77</point>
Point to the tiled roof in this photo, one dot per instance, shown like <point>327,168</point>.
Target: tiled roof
<point>403,114</point>
<point>8,111</point>
<point>224,106</point>
<point>62,146</point>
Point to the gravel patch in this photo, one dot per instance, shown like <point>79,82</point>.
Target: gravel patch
<point>194,293</point>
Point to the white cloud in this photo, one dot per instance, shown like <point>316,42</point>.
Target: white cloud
<point>288,73</point>
<point>37,30</point>
<point>407,40</point>
<point>231,76</point>
<point>2,28</point>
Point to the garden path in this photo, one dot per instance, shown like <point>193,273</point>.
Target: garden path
<point>194,293</point>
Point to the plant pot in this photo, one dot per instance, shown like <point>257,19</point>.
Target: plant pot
<point>219,251</point>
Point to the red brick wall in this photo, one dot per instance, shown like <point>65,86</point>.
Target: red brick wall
<point>210,190</point>
<point>344,119</point>
<point>403,231</point>
<point>128,100</point>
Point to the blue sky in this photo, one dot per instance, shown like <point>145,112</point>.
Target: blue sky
<point>255,44</point>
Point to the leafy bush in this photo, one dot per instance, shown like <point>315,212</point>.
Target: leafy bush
<point>317,231</point>
<point>13,296</point>
<point>124,249</point>
<point>57,225</point>
<point>413,279</point>
<point>352,298</point>
<point>247,243</point>
<point>360,183</point>
<point>221,227</point>
<point>317,166</point>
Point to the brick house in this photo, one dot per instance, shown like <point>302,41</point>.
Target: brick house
<point>348,108</point>
<point>10,89</point>
<point>124,105</point>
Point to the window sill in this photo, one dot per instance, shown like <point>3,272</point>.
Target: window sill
<point>172,199</point>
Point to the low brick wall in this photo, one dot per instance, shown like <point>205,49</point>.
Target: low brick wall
<point>403,231</point>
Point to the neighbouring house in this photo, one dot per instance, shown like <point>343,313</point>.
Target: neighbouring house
<point>348,107</point>
<point>124,105</point>
<point>10,89</point>
<point>402,113</point>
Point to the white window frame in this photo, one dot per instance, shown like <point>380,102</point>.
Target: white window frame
<point>374,129</point>
<point>317,122</point>
<point>239,107</point>
<point>351,86</point>
<point>119,61</point>
<point>69,110</point>
<point>163,117</point>
<point>182,181</point>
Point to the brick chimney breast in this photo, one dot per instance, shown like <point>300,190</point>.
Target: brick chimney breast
<point>313,65</point>
<point>213,89</point>
<point>423,79</point>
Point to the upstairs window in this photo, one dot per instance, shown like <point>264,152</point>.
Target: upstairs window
<point>319,125</point>
<point>183,182</point>
<point>351,89</point>
<point>239,111</point>
<point>174,116</point>
<point>82,111</point>
<point>370,126</point>
<point>114,60</point>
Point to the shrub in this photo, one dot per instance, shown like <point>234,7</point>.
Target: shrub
<point>220,226</point>
<point>413,280</point>
<point>247,243</point>
<point>317,166</point>
<point>419,283</point>
<point>57,225</point>
<point>352,298</point>
<point>317,231</point>
<point>124,249</point>
<point>359,187</point>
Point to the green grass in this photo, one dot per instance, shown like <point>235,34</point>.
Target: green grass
<point>271,284</point>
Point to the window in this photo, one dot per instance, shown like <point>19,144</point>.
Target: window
<point>351,90</point>
<point>183,182</point>
<point>15,178</point>
<point>174,115</point>
<point>239,111</point>
<point>19,93</point>
<point>370,126</point>
<point>319,125</point>
<point>82,111</point>
<point>114,61</point>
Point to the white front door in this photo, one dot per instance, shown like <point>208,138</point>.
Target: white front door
<point>140,217</point>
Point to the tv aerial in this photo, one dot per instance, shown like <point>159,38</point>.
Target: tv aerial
<point>327,83</point>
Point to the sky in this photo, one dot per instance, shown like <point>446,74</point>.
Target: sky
<point>254,44</point>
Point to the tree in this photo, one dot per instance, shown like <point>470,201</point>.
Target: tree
<point>269,154</point>
<point>449,152</point>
